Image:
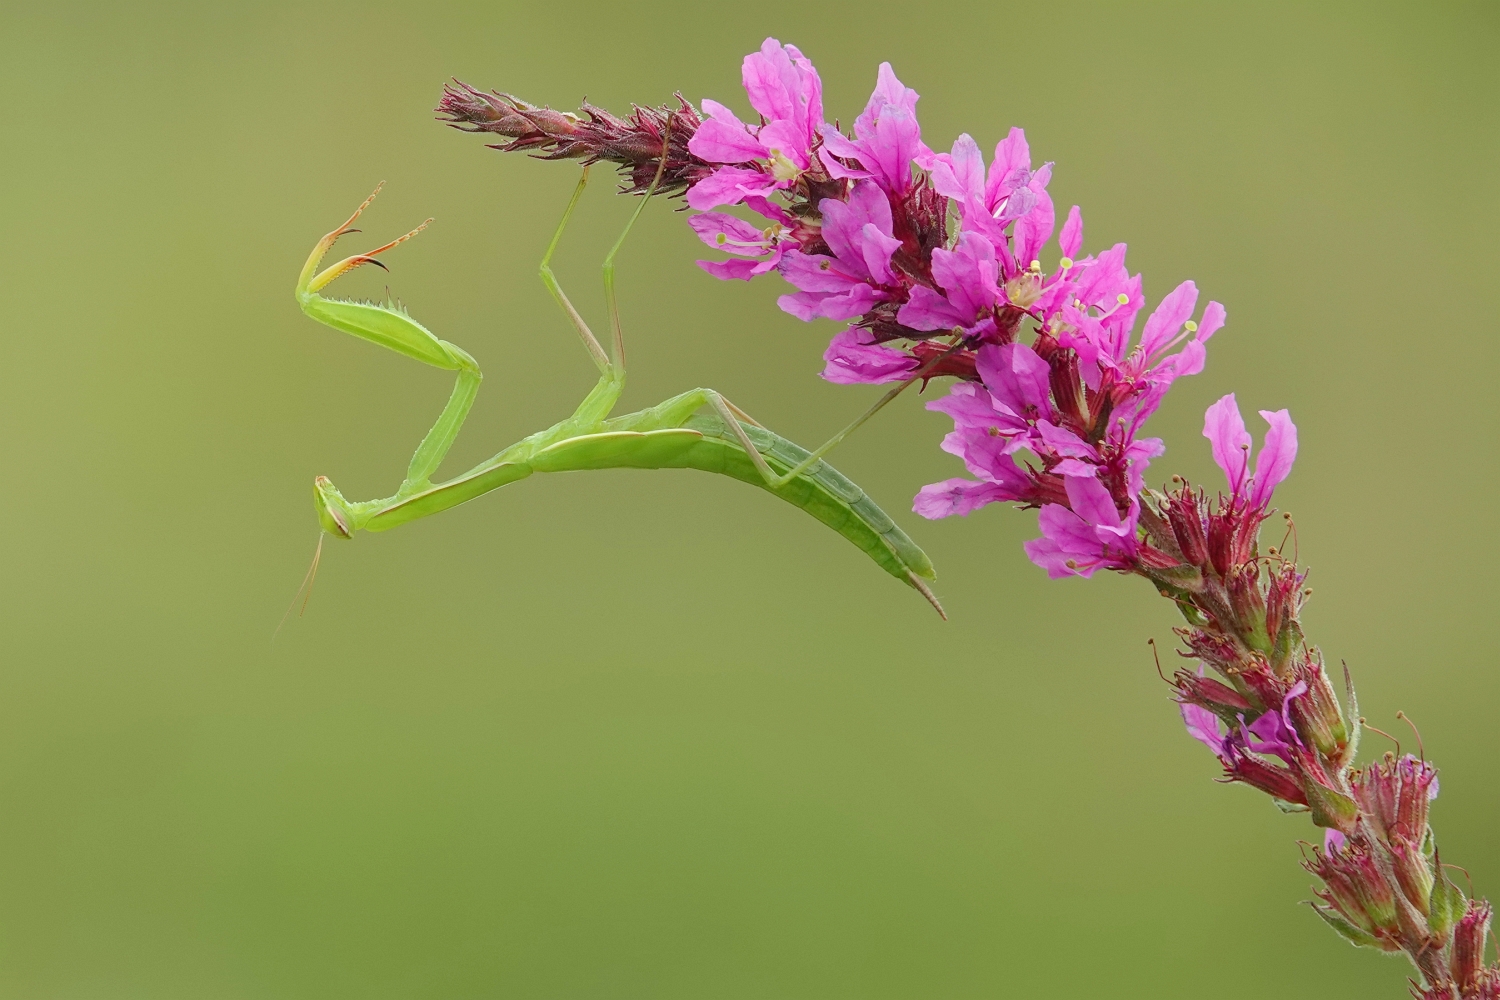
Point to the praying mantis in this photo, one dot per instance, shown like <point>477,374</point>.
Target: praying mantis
<point>698,429</point>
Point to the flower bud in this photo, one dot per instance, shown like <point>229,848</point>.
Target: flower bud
<point>1316,713</point>
<point>1249,608</point>
<point>1220,699</point>
<point>1468,946</point>
<point>1413,872</point>
<point>1395,794</point>
<point>1356,889</point>
<point>1274,781</point>
<point>1265,687</point>
<point>1187,527</point>
<point>1219,652</point>
<point>1067,388</point>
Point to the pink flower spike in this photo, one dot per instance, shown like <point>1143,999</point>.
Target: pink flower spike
<point>1225,430</point>
<point>1277,454</point>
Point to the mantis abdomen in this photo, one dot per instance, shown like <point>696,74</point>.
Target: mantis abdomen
<point>704,442</point>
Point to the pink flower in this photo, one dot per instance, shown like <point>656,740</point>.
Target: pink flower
<point>1012,193</point>
<point>968,275</point>
<point>1225,430</point>
<point>887,138</point>
<point>784,88</point>
<point>853,357</point>
<point>847,284</point>
<point>738,237</point>
<point>1089,537</point>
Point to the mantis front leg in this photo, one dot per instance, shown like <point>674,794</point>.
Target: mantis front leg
<point>389,326</point>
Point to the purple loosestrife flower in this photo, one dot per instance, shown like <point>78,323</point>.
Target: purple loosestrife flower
<point>848,283</point>
<point>968,275</point>
<point>1011,193</point>
<point>887,139</point>
<point>784,88</point>
<point>1225,430</point>
<point>1087,535</point>
<point>736,236</point>
<point>853,358</point>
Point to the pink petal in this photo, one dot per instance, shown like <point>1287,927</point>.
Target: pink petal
<point>1034,229</point>
<point>1225,430</point>
<point>1072,234</point>
<point>852,358</point>
<point>710,225</point>
<point>960,174</point>
<point>1277,454</point>
<point>729,186</point>
<point>1017,376</point>
<point>1091,501</point>
<point>725,270</point>
<point>1166,321</point>
<point>956,496</point>
<point>721,142</point>
<point>1213,319</point>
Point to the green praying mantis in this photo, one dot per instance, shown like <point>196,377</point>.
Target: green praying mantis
<point>698,429</point>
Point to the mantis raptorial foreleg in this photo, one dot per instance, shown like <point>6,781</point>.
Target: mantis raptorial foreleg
<point>390,326</point>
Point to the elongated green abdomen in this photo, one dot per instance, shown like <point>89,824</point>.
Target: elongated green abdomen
<point>705,443</point>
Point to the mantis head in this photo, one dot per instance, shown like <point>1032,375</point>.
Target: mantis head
<point>333,510</point>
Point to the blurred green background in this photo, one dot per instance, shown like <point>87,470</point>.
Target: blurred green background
<point>656,735</point>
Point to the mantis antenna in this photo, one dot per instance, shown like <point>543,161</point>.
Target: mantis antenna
<point>698,429</point>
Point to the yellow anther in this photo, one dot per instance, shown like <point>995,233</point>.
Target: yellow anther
<point>1036,265</point>
<point>1065,263</point>
<point>782,168</point>
<point>1191,327</point>
<point>721,239</point>
<point>1122,298</point>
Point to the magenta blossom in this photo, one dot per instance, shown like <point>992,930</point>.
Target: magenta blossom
<point>744,240</point>
<point>968,275</point>
<point>847,284</point>
<point>1089,537</point>
<point>1225,430</point>
<point>1011,193</point>
<point>784,88</point>
<point>1203,726</point>
<point>887,138</point>
<point>853,358</point>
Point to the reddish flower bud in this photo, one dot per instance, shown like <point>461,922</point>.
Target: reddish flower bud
<point>1067,389</point>
<point>1356,888</point>
<point>1249,607</point>
<point>1187,527</point>
<point>1316,714</point>
<point>1218,651</point>
<point>1221,699</point>
<point>1413,872</point>
<point>1395,794</point>
<point>1265,687</point>
<point>1469,939</point>
<point>1274,781</point>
